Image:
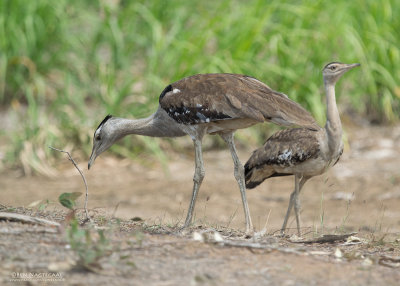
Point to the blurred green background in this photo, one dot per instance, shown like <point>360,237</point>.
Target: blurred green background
<point>65,64</point>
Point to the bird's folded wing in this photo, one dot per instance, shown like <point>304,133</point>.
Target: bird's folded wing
<point>212,97</point>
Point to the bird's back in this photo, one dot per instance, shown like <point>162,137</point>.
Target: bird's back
<point>286,152</point>
<point>207,98</point>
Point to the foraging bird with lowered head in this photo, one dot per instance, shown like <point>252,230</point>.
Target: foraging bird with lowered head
<point>301,152</point>
<point>207,104</point>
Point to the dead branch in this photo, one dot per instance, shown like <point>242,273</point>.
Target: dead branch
<point>22,231</point>
<point>257,245</point>
<point>389,261</point>
<point>27,219</point>
<point>83,178</point>
<point>327,238</point>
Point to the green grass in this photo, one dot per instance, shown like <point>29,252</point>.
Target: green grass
<point>65,64</point>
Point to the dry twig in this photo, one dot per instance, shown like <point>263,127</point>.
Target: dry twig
<point>389,261</point>
<point>327,238</point>
<point>83,178</point>
<point>257,245</point>
<point>27,219</point>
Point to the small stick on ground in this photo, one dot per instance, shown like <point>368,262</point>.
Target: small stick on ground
<point>83,178</point>
<point>327,238</point>
<point>115,209</point>
<point>389,261</point>
<point>266,223</point>
<point>27,219</point>
<point>256,245</point>
<point>264,230</point>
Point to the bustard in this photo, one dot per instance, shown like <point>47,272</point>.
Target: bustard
<point>301,152</point>
<point>207,104</point>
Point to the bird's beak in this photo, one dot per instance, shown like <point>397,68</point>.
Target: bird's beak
<point>92,158</point>
<point>350,66</point>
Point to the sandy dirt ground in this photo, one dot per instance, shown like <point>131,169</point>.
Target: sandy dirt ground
<point>360,194</point>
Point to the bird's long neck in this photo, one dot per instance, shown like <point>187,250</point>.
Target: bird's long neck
<point>143,126</point>
<point>333,125</point>
<point>158,124</point>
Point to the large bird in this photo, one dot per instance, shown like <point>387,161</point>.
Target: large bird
<point>207,104</point>
<point>302,152</point>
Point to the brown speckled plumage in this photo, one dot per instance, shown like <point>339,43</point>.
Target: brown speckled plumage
<point>280,150</point>
<point>207,98</point>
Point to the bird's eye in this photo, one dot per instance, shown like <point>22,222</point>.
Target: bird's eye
<point>97,137</point>
<point>333,68</point>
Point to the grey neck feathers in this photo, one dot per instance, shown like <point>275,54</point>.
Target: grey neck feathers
<point>333,125</point>
<point>158,124</point>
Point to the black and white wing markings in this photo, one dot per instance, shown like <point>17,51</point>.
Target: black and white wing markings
<point>194,110</point>
<point>286,148</point>
<point>196,99</point>
<point>195,115</point>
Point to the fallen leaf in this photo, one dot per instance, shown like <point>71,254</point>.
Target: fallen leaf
<point>68,199</point>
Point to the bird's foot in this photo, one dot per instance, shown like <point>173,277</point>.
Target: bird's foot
<point>182,230</point>
<point>185,229</point>
<point>283,234</point>
<point>249,233</point>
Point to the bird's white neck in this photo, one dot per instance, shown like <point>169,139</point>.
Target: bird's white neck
<point>158,124</point>
<point>333,124</point>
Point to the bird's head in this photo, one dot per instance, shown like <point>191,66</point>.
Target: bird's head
<point>103,138</point>
<point>333,71</point>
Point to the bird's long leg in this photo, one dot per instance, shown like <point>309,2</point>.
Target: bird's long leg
<point>288,212</point>
<point>297,203</point>
<point>292,201</point>
<point>239,175</point>
<point>197,179</point>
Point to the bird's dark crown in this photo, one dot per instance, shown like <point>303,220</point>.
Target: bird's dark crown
<point>104,121</point>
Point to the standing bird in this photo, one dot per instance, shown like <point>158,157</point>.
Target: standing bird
<point>207,104</point>
<point>301,152</point>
